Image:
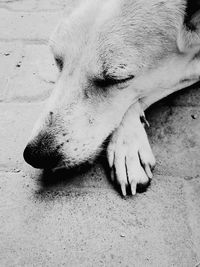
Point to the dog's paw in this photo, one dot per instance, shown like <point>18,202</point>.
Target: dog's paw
<point>130,157</point>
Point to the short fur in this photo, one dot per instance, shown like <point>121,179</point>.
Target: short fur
<point>116,58</point>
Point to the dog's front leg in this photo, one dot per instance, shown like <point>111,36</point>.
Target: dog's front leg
<point>129,153</point>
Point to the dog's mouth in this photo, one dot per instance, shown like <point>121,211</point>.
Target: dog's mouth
<point>69,166</point>
<point>54,159</point>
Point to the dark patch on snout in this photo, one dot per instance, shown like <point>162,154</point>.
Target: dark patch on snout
<point>42,152</point>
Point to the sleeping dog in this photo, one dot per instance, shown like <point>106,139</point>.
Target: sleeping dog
<point>115,59</point>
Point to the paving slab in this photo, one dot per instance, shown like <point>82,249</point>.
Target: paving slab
<point>10,54</point>
<point>15,5</point>
<point>16,122</point>
<point>38,6</point>
<point>22,25</point>
<point>192,193</point>
<point>78,226</point>
<point>175,138</point>
<point>28,72</point>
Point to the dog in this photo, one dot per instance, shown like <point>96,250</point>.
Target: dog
<point>115,59</point>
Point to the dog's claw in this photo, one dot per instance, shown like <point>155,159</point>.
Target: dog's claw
<point>148,171</point>
<point>133,188</point>
<point>123,189</point>
<point>144,121</point>
<point>110,155</point>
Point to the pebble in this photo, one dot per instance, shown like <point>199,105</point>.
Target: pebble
<point>16,170</point>
<point>194,116</point>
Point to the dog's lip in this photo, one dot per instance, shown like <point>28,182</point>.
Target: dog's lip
<point>59,167</point>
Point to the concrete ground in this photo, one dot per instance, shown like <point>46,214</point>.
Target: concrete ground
<point>80,219</point>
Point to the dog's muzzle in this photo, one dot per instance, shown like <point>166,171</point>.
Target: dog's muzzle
<point>42,152</point>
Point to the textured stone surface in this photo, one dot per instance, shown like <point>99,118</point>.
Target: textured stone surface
<point>28,72</point>
<point>24,25</point>
<point>175,138</point>
<point>16,122</point>
<point>93,226</point>
<point>78,218</point>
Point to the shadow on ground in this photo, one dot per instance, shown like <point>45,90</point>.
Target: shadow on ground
<point>79,176</point>
<point>99,172</point>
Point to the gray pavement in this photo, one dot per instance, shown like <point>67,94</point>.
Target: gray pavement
<point>80,219</point>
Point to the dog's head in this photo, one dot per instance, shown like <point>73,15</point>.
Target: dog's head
<point>106,52</point>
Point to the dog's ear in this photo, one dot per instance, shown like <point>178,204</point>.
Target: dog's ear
<point>189,35</point>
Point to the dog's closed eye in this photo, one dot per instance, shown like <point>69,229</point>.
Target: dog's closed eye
<point>59,62</point>
<point>108,81</point>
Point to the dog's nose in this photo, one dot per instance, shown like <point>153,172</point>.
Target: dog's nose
<point>39,155</point>
<point>40,160</point>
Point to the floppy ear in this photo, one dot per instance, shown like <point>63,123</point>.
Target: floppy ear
<point>189,35</point>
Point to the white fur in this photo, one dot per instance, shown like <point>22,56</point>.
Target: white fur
<point>146,39</point>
